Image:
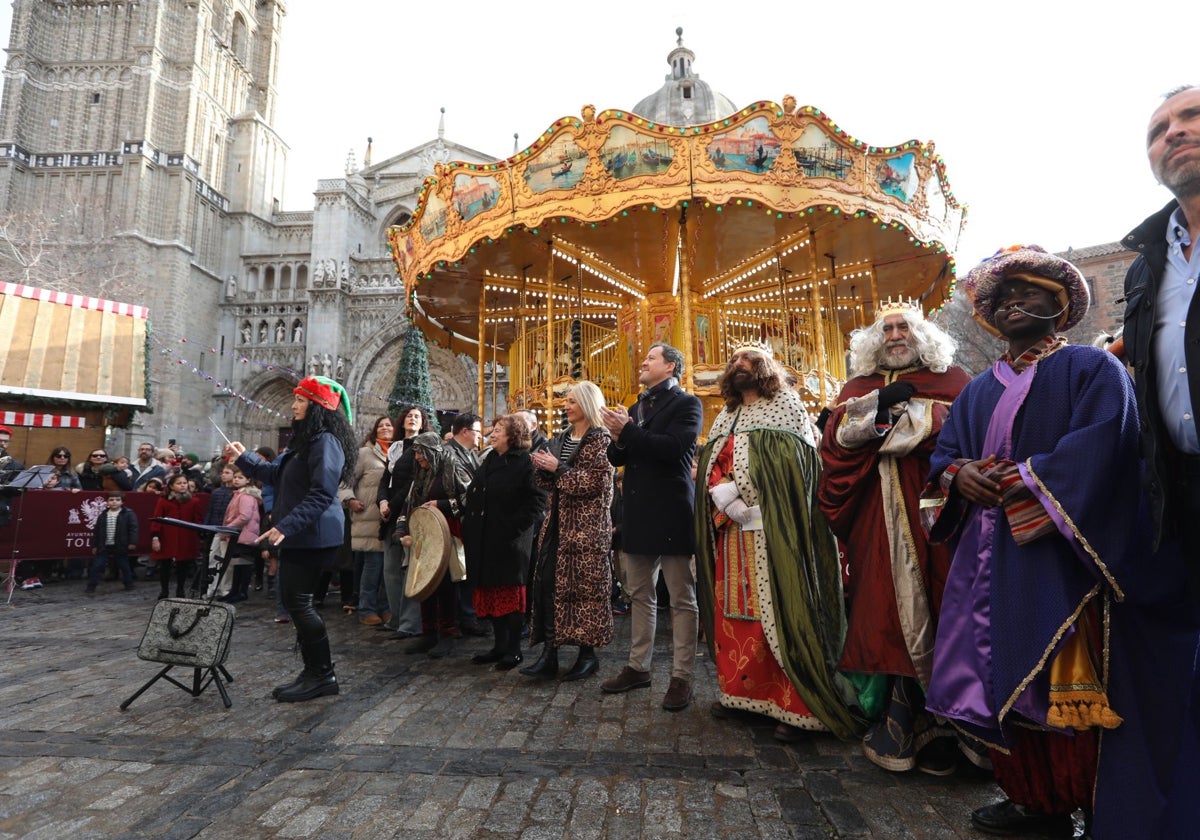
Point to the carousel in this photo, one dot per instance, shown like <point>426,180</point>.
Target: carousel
<point>611,232</point>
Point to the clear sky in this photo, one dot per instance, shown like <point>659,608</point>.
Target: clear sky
<point>1039,108</point>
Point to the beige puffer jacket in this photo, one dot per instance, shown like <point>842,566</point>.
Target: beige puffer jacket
<point>368,472</point>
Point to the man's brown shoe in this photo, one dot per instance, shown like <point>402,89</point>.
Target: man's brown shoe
<point>678,696</point>
<point>626,680</point>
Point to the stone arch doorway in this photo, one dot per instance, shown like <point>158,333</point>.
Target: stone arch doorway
<point>257,427</point>
<point>378,358</point>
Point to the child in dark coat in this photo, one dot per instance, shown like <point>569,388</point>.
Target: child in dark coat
<point>113,539</point>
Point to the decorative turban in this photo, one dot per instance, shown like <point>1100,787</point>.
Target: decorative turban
<point>1035,265</point>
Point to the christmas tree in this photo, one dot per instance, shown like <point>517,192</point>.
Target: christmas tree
<point>412,385</point>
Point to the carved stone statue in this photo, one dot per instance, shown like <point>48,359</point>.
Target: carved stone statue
<point>340,370</point>
<point>231,288</point>
<point>247,333</point>
<point>298,333</point>
<point>280,332</point>
<point>314,365</point>
<point>327,365</point>
<point>262,333</point>
<point>318,273</point>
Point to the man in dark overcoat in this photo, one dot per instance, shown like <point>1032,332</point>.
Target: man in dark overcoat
<point>655,442</point>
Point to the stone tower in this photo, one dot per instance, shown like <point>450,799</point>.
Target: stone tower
<point>138,134</point>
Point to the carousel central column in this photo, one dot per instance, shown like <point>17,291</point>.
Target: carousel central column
<point>550,348</point>
<point>685,300</point>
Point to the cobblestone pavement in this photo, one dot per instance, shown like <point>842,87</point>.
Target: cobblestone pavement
<point>412,748</point>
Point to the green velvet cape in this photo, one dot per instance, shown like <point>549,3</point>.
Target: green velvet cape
<point>806,581</point>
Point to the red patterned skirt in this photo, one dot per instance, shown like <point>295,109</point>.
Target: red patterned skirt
<point>495,601</point>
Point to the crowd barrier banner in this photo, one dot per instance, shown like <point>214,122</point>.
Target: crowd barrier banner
<point>57,524</point>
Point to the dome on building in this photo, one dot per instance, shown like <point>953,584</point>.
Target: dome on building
<point>684,99</point>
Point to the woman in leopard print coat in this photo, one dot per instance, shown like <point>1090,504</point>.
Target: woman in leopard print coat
<point>572,582</point>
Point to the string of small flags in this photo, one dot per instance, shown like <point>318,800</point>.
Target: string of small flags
<point>165,350</point>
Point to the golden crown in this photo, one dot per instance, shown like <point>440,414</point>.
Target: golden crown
<point>899,306</point>
<point>754,346</point>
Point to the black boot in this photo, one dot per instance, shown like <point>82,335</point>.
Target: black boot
<point>500,633</point>
<point>296,680</point>
<point>512,637</point>
<point>317,679</point>
<point>546,667</point>
<point>585,665</point>
<point>421,644</point>
<point>164,579</point>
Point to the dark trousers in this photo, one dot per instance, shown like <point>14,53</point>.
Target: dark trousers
<point>1187,487</point>
<point>541,625</point>
<point>115,554</point>
<point>296,587</point>
<point>183,570</point>
<point>439,612</point>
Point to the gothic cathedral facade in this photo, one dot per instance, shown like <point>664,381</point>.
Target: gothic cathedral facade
<point>136,136</point>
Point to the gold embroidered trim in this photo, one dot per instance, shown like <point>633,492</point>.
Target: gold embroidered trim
<point>913,608</point>
<point>1040,665</point>
<point>1074,530</point>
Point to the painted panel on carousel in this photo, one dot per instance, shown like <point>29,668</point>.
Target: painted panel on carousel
<point>558,167</point>
<point>474,194</point>
<point>403,256</point>
<point>898,176</point>
<point>626,153</point>
<point>936,206</point>
<point>433,220</point>
<point>819,156</point>
<point>749,148</point>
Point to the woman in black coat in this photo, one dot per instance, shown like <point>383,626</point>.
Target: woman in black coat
<point>503,507</point>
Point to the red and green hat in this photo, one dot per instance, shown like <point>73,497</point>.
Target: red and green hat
<point>326,393</point>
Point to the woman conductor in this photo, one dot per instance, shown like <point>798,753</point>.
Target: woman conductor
<point>309,523</point>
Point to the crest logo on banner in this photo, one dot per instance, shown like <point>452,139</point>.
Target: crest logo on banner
<point>91,509</point>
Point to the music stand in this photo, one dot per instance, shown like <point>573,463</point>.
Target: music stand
<point>33,478</point>
<point>202,675</point>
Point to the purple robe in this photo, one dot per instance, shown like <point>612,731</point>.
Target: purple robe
<point>1070,422</point>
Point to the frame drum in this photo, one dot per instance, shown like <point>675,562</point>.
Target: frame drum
<point>429,555</point>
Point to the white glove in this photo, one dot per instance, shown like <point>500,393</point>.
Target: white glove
<point>739,512</point>
<point>723,493</point>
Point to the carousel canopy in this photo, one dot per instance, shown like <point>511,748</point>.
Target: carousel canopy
<point>772,223</point>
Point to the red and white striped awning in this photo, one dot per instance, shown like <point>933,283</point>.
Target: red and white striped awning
<point>48,421</point>
<point>71,347</point>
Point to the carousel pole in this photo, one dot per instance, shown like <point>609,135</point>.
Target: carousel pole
<point>496,366</point>
<point>787,319</point>
<point>818,325</point>
<point>482,359</point>
<point>685,299</point>
<point>550,348</point>
<point>524,354</point>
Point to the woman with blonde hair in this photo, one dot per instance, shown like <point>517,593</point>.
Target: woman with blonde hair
<point>572,580</point>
